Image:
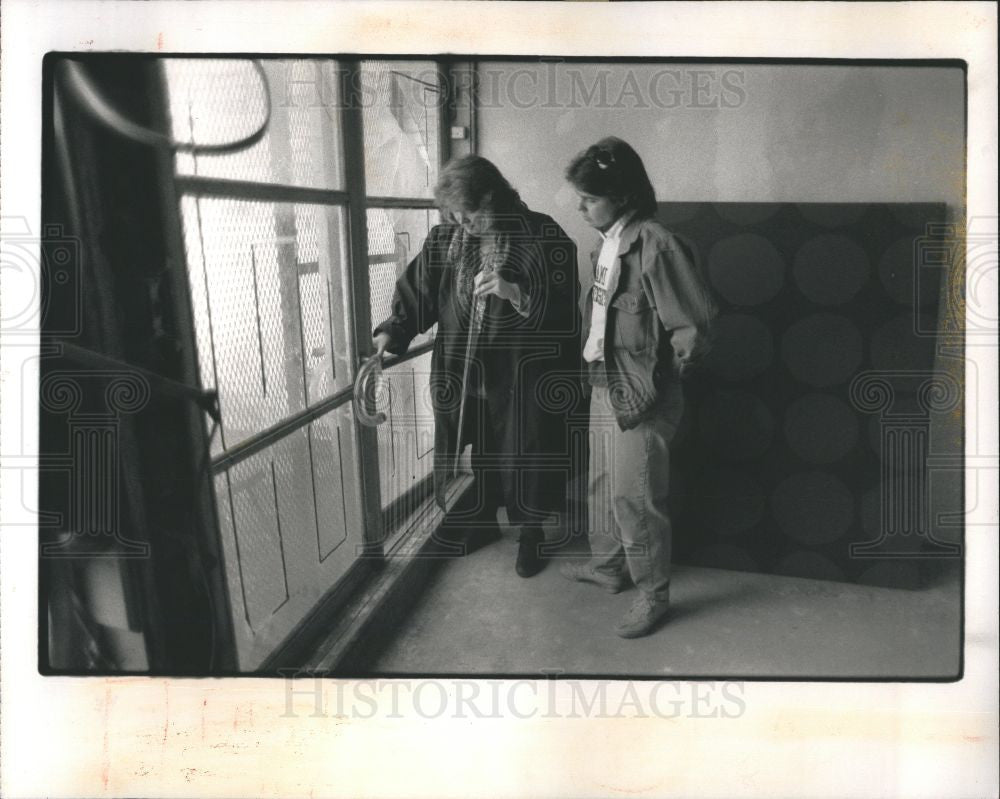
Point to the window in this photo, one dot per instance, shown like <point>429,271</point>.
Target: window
<point>402,102</point>
<point>278,307</point>
<point>214,101</point>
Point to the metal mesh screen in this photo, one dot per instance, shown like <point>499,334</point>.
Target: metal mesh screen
<point>291,523</point>
<point>402,136</point>
<point>395,236</point>
<point>270,326</point>
<point>214,101</point>
<point>406,440</point>
<point>332,477</point>
<point>259,551</point>
<point>270,296</point>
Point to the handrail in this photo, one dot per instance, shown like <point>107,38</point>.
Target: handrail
<point>276,432</point>
<point>286,427</point>
<point>366,389</point>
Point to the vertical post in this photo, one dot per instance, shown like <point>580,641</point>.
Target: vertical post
<point>331,235</point>
<point>458,80</point>
<point>445,88</point>
<point>474,106</point>
<point>352,125</point>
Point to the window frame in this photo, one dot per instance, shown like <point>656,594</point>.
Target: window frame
<point>396,509</point>
<point>354,203</point>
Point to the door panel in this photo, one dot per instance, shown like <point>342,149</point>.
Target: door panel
<point>291,525</point>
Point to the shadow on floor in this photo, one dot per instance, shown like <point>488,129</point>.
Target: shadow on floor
<point>477,618</point>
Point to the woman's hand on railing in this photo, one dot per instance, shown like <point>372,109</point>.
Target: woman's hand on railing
<point>381,342</point>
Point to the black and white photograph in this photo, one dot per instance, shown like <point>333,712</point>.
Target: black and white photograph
<point>444,367</point>
<point>526,385</point>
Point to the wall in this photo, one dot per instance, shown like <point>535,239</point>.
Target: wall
<point>754,134</point>
<point>730,133</point>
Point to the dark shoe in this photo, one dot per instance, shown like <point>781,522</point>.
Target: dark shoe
<point>530,560</point>
<point>585,573</point>
<point>642,618</point>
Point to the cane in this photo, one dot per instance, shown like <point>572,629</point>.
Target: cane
<point>476,317</point>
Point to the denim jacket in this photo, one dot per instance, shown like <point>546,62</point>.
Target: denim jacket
<point>658,319</point>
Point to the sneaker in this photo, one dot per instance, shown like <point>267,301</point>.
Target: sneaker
<point>585,573</point>
<point>641,619</point>
<point>530,560</point>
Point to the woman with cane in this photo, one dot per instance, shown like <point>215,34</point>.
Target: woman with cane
<point>500,281</point>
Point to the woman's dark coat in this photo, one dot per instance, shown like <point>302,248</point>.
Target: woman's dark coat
<point>530,359</point>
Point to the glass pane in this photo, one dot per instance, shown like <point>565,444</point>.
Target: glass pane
<point>214,101</point>
<point>270,304</point>
<point>405,440</point>
<point>400,101</point>
<point>291,525</point>
<point>395,237</point>
<point>338,496</point>
<point>261,564</point>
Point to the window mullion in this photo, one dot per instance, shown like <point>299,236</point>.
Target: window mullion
<point>352,125</point>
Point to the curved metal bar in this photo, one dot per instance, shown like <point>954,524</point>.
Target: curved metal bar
<point>365,392</point>
<point>98,107</point>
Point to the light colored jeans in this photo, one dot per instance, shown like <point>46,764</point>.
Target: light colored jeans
<point>627,492</point>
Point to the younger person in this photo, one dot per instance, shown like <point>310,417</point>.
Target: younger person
<point>645,321</point>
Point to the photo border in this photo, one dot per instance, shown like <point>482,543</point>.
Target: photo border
<point>219,737</point>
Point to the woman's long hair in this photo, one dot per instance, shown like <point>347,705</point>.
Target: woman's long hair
<point>611,168</point>
<point>471,182</point>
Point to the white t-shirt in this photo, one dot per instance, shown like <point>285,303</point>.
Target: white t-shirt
<point>606,276</point>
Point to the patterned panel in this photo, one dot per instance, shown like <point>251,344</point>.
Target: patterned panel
<point>317,343</point>
<point>402,136</point>
<point>298,527</point>
<point>395,236</point>
<point>780,456</point>
<point>234,576</point>
<point>215,101</point>
<point>258,542</point>
<point>254,347</point>
<point>307,233</point>
<point>315,299</point>
<point>295,474</point>
<point>406,440</point>
<point>250,287</point>
<point>327,439</point>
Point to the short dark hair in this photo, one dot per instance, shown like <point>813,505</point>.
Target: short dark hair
<point>466,183</point>
<point>611,168</point>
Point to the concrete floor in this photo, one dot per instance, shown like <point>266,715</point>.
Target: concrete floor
<point>479,618</point>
